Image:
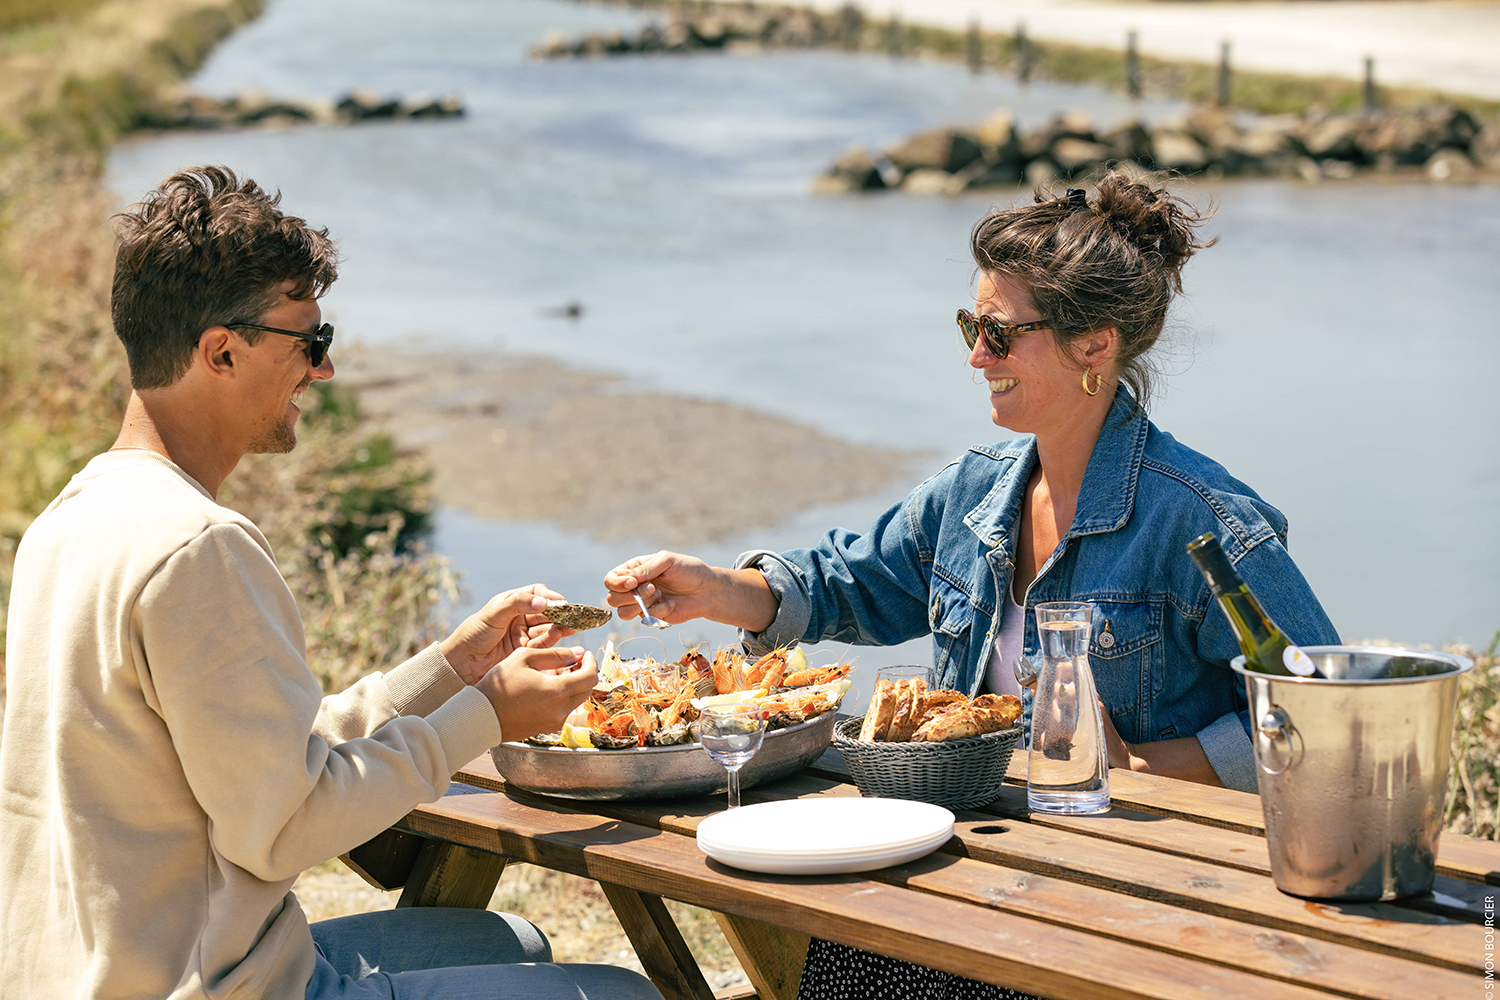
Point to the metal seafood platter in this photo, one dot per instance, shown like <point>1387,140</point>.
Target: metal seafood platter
<point>677,772</point>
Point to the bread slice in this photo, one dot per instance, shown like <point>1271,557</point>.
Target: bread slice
<point>934,701</point>
<point>908,710</point>
<point>878,715</point>
<point>986,714</point>
<point>1008,705</point>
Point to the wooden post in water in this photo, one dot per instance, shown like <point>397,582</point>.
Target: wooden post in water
<point>975,43</point>
<point>1221,97</point>
<point>1132,66</point>
<point>1023,53</point>
<point>1370,100</point>
<point>853,25</point>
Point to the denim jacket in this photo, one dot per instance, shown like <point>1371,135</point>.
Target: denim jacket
<point>939,561</point>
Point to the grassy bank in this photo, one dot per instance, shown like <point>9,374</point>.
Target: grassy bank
<point>345,511</point>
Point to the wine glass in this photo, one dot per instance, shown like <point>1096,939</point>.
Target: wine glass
<point>731,734</point>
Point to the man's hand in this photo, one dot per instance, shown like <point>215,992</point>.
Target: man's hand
<point>533,690</point>
<point>678,588</point>
<point>510,621</point>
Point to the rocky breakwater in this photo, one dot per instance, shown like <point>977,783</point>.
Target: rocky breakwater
<point>1442,143</point>
<point>258,110</point>
<point>725,28</point>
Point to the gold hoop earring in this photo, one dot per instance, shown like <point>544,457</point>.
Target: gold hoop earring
<point>1098,381</point>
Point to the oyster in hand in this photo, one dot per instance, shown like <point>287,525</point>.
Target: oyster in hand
<point>579,617</point>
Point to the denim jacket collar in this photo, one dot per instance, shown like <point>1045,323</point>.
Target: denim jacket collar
<point>1103,503</point>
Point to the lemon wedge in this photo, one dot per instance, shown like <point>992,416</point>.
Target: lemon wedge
<point>576,737</point>
<point>796,660</point>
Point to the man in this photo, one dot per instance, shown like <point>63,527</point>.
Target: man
<point>169,765</point>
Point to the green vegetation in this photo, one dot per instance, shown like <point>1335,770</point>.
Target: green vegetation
<point>23,13</point>
<point>346,511</point>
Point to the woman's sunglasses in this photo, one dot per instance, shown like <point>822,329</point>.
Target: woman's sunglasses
<point>996,334</point>
<point>317,341</point>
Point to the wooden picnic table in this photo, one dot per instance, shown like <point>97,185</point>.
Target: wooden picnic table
<point>1168,895</point>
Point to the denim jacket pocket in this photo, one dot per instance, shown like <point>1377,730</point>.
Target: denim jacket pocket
<point>1127,654</point>
<point>950,615</point>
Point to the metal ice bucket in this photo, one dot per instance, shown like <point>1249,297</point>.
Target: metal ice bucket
<point>1353,767</point>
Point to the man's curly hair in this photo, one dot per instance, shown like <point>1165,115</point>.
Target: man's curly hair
<point>206,249</point>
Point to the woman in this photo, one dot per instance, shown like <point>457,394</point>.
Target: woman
<point>1090,502</point>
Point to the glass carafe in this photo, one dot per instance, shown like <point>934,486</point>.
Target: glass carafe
<point>1068,759</point>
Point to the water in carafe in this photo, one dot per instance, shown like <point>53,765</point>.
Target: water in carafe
<point>1069,767</point>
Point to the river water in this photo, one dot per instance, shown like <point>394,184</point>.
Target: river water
<point>1336,349</point>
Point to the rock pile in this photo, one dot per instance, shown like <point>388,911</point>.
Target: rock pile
<point>253,109</point>
<point>1447,143</point>
<point>726,27</point>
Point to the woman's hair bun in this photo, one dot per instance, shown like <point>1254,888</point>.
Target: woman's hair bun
<point>1113,260</point>
<point>1157,222</point>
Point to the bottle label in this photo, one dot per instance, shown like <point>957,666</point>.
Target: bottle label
<point>1298,662</point>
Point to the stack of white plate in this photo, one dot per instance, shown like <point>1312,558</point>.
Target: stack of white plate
<point>824,836</point>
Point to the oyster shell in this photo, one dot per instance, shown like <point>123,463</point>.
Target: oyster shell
<point>668,736</point>
<point>603,741</point>
<point>545,740</point>
<point>580,617</point>
<point>783,720</point>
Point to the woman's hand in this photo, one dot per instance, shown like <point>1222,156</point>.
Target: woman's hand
<point>678,588</point>
<point>1120,752</point>
<point>510,621</point>
<point>1182,757</point>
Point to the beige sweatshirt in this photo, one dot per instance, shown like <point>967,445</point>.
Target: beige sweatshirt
<point>169,764</point>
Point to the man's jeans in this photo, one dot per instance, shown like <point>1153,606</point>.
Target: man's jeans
<point>435,953</point>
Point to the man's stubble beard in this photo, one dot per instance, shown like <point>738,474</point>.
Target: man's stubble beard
<point>276,440</point>
<point>279,438</point>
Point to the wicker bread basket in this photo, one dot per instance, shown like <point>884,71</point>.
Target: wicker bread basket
<point>958,773</point>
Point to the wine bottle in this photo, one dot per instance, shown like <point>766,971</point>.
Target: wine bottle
<point>1266,647</point>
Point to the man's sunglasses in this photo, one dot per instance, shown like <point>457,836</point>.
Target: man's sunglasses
<point>317,341</point>
<point>996,334</point>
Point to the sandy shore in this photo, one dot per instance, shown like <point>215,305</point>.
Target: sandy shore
<point>525,438</point>
<point>1451,45</point>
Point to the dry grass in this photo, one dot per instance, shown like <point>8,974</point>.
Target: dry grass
<point>1474,785</point>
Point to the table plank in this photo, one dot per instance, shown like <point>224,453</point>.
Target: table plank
<point>1123,868</point>
<point>1246,852</point>
<point>1468,858</point>
<point>982,943</point>
<point>1375,928</point>
<point>1459,857</point>
<point>1208,888</point>
<point>1298,958</point>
